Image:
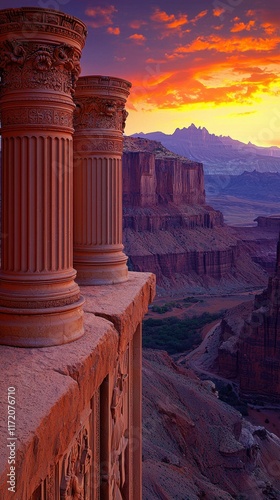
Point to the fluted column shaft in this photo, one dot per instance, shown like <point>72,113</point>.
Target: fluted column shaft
<point>99,122</point>
<point>40,303</point>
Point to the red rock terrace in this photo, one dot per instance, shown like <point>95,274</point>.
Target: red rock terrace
<point>171,231</point>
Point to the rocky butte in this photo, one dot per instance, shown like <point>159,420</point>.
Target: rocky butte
<point>171,231</point>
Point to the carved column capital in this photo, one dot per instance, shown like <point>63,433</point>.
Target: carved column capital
<point>100,113</point>
<point>34,53</point>
<point>100,103</point>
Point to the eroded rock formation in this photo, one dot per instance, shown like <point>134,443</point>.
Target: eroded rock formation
<point>245,346</point>
<point>260,344</point>
<point>153,176</point>
<point>168,228</point>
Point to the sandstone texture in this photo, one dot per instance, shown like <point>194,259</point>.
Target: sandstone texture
<point>153,175</point>
<point>228,352</point>
<point>260,344</point>
<point>195,446</point>
<point>170,231</point>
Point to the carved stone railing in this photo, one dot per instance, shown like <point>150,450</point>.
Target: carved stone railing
<point>78,405</point>
<point>99,122</point>
<point>40,303</point>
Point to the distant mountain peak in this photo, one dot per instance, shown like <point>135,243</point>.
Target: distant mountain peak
<point>220,155</point>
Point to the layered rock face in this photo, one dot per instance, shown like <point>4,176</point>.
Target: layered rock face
<point>168,228</point>
<point>227,362</point>
<point>260,344</point>
<point>158,177</point>
<point>248,344</point>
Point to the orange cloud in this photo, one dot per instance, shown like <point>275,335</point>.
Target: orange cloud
<point>136,24</point>
<point>171,21</point>
<point>218,11</point>
<point>102,16</point>
<point>268,28</point>
<point>137,38</point>
<point>210,82</point>
<point>226,45</point>
<point>250,13</point>
<point>113,31</point>
<point>202,14</point>
<point>242,27</point>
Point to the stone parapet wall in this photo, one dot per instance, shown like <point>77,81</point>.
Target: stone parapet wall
<point>78,406</point>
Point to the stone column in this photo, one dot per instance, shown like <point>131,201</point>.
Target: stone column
<point>40,303</point>
<point>99,122</point>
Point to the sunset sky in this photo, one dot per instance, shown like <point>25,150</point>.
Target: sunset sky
<point>212,63</point>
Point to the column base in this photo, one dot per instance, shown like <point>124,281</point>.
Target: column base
<point>103,265</point>
<point>98,275</point>
<point>41,327</point>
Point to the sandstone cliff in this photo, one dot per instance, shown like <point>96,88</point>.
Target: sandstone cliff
<point>153,175</point>
<point>259,363</point>
<point>170,231</point>
<point>197,447</point>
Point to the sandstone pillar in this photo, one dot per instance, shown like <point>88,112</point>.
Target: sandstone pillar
<point>99,122</point>
<point>40,303</point>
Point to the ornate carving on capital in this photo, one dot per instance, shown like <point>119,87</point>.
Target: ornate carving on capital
<point>98,145</point>
<point>100,113</point>
<point>29,65</point>
<point>37,116</point>
<point>28,22</point>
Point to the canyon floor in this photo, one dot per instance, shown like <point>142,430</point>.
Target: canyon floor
<point>206,303</point>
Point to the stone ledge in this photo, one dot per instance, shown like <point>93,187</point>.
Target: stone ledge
<point>54,384</point>
<point>124,304</point>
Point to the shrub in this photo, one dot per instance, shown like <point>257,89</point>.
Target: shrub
<point>174,334</point>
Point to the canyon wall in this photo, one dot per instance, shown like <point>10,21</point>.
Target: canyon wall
<point>170,231</point>
<point>148,180</point>
<point>259,363</point>
<point>248,344</point>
